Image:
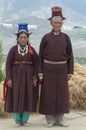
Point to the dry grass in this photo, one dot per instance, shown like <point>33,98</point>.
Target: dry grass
<point>2,113</point>
<point>77,90</point>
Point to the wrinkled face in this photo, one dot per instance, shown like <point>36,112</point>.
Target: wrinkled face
<point>23,39</point>
<point>56,23</point>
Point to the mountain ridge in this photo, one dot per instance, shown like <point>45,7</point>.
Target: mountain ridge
<point>14,10</point>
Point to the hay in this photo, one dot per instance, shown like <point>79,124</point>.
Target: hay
<point>2,113</point>
<point>77,90</point>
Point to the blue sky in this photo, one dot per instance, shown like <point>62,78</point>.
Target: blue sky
<point>14,8</point>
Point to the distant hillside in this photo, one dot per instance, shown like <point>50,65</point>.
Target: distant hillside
<point>36,13</point>
<point>77,35</point>
<point>18,10</point>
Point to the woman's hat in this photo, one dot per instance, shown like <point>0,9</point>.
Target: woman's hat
<point>23,27</point>
<point>56,11</point>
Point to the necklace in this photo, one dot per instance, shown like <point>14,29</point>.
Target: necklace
<point>22,51</point>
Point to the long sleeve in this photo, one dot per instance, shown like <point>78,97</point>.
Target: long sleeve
<point>70,61</point>
<point>35,63</point>
<point>43,44</point>
<point>40,69</point>
<point>9,63</point>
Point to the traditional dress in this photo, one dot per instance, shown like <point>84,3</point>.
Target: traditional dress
<point>21,69</point>
<point>55,62</point>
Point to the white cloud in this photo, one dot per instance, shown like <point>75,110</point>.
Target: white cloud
<point>7,25</point>
<point>42,13</point>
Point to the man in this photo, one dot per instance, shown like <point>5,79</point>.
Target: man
<point>55,69</point>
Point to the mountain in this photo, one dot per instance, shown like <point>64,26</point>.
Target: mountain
<point>16,10</point>
<point>36,13</point>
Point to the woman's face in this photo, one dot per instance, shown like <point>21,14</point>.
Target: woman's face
<point>23,39</point>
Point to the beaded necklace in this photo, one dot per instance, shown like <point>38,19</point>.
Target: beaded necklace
<point>22,50</point>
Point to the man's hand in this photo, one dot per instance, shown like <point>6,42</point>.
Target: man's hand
<point>69,76</point>
<point>40,76</point>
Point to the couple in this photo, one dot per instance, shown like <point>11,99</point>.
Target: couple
<point>53,68</point>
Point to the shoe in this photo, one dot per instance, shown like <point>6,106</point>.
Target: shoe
<point>62,125</point>
<point>49,125</point>
<point>26,124</point>
<point>18,124</point>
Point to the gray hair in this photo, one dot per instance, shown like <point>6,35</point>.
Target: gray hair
<point>56,17</point>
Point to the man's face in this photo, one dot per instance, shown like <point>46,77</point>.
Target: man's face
<point>56,23</point>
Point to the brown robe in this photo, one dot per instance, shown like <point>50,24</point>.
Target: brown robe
<point>23,95</point>
<point>54,97</point>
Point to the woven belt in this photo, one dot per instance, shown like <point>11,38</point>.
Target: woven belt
<point>22,62</point>
<point>55,62</point>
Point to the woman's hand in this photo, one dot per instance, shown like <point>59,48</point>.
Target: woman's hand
<point>9,83</point>
<point>35,82</point>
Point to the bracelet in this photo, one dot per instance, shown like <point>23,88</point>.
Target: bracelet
<point>40,74</point>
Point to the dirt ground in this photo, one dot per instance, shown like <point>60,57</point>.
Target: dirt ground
<point>75,119</point>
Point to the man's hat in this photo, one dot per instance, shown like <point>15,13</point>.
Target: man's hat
<point>23,27</point>
<point>56,11</point>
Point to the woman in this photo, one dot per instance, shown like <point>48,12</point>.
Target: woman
<point>21,78</point>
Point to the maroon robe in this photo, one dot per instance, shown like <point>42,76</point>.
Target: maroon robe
<point>54,97</point>
<point>23,95</point>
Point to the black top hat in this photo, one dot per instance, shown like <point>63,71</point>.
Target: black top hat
<point>56,11</point>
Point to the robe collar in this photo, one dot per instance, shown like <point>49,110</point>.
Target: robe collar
<point>56,34</point>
